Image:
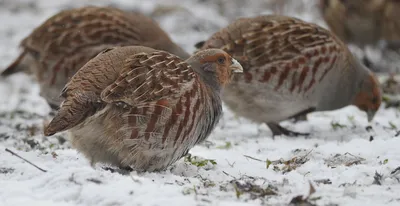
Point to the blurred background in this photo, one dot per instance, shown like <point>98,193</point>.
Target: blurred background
<point>186,21</point>
<point>363,24</point>
<point>371,28</point>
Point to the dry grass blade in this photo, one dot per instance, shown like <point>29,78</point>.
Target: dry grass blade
<point>15,154</point>
<point>253,158</point>
<point>289,165</point>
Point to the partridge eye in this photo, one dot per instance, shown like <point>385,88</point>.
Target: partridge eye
<point>221,60</point>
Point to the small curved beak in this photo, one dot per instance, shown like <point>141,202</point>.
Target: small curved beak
<point>370,115</point>
<point>236,66</point>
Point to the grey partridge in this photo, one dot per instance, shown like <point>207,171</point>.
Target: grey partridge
<point>363,22</point>
<point>143,108</point>
<point>291,67</point>
<point>55,50</point>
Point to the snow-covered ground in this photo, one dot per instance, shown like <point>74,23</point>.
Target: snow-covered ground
<point>347,160</point>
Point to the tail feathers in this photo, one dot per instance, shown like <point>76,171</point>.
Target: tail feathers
<point>68,116</point>
<point>16,66</point>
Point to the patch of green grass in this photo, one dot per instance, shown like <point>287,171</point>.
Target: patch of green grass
<point>385,161</point>
<point>237,191</point>
<point>386,99</point>
<point>269,162</point>
<point>198,161</point>
<point>392,126</point>
<point>227,146</point>
<point>337,125</point>
<point>351,119</point>
<point>188,190</point>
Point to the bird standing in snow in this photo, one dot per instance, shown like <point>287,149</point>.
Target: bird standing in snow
<point>291,68</point>
<point>59,47</point>
<point>143,108</point>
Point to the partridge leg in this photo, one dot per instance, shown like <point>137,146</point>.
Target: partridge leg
<point>302,116</point>
<point>278,130</point>
<point>127,168</point>
<point>121,170</point>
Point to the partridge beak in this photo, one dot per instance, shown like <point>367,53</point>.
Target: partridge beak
<point>370,115</point>
<point>236,67</point>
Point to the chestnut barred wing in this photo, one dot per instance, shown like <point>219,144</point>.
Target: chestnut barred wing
<point>148,77</point>
<point>284,52</point>
<point>286,38</point>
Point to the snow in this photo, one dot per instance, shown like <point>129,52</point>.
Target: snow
<point>341,159</point>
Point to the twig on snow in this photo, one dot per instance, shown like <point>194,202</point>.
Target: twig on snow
<point>253,158</point>
<point>227,174</point>
<point>15,154</point>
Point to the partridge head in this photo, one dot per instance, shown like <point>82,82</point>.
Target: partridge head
<point>55,50</point>
<point>291,67</point>
<point>143,108</point>
<point>368,97</point>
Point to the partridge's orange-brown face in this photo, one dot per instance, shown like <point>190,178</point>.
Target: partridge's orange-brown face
<point>369,97</point>
<point>224,66</point>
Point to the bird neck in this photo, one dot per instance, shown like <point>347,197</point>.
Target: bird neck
<point>211,88</point>
<point>212,83</point>
<point>344,92</point>
<point>212,112</point>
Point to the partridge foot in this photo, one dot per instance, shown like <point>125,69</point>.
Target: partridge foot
<point>300,118</point>
<point>279,130</point>
<point>121,170</point>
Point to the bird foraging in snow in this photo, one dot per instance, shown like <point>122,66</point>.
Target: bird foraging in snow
<point>143,108</point>
<point>59,47</point>
<point>291,67</point>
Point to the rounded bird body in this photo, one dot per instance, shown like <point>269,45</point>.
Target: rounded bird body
<point>143,108</point>
<point>55,50</point>
<point>291,67</point>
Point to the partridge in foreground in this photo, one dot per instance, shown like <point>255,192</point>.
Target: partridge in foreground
<point>291,68</point>
<point>55,50</point>
<point>143,108</point>
<point>363,22</point>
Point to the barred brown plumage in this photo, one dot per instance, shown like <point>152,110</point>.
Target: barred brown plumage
<point>55,50</point>
<point>291,68</point>
<point>140,107</point>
